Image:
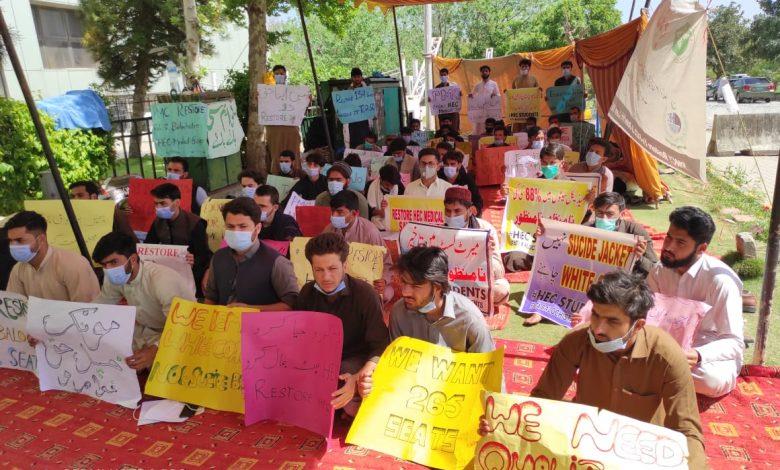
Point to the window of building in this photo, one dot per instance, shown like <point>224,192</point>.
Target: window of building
<point>59,36</point>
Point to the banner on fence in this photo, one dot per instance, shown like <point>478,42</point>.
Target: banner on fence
<point>180,129</point>
<point>225,133</point>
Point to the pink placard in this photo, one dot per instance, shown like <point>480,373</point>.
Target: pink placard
<point>290,363</point>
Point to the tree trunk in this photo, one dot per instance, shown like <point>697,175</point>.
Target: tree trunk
<point>191,29</point>
<point>140,87</point>
<point>258,50</point>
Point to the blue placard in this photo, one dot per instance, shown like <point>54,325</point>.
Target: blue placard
<point>561,99</point>
<point>357,182</point>
<point>355,105</point>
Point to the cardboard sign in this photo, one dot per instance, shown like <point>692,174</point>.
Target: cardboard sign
<point>282,105</point>
<point>522,163</point>
<point>290,365</point>
<point>482,107</point>
<point>142,203</point>
<point>569,258</point>
<point>489,165</point>
<point>566,134</point>
<point>404,209</point>
<point>82,349</point>
<point>572,158</point>
<point>534,433</point>
<point>365,262</point>
<point>444,100</point>
<point>355,105</point>
<point>173,256</point>
<point>367,157</point>
<point>357,181</point>
<point>420,137</point>
<point>296,201</point>
<point>522,103</point>
<point>15,352</point>
<point>199,357</point>
<point>180,129</point>
<point>593,180</point>
<point>312,220</point>
<point>561,99</point>
<point>225,133</point>
<point>425,403</point>
<point>96,218</point>
<point>282,184</point>
<point>468,258</point>
<point>211,212</point>
<point>532,198</point>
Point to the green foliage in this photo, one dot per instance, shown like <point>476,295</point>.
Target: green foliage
<point>237,82</point>
<point>749,268</point>
<point>731,258</point>
<point>731,33</point>
<point>766,33</point>
<point>80,154</point>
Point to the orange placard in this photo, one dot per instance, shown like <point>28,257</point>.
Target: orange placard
<point>489,165</point>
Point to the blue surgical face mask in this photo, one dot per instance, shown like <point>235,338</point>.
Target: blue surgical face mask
<point>313,172</point>
<point>607,347</point>
<point>450,171</point>
<point>22,253</point>
<point>238,240</point>
<point>280,79</point>
<point>457,221</point>
<point>263,216</point>
<point>592,159</point>
<point>550,171</point>
<point>537,144</point>
<point>173,176</point>
<point>118,276</point>
<point>335,291</point>
<point>429,307</point>
<point>249,191</point>
<point>606,223</point>
<point>335,187</point>
<point>164,213</point>
<point>338,221</point>
<point>398,158</point>
<point>286,167</point>
<point>444,78</point>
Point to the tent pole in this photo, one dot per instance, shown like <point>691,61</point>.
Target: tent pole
<point>631,15</point>
<point>401,68</point>
<point>770,275</point>
<point>316,82</point>
<point>41,131</point>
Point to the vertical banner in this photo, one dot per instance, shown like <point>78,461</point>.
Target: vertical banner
<point>365,262</point>
<point>404,209</point>
<point>180,129</point>
<point>199,357</point>
<point>15,353</point>
<point>534,433</point>
<point>142,203</point>
<point>522,103</point>
<point>444,100</point>
<point>530,199</point>
<point>660,101</point>
<point>225,133</point>
<point>211,212</point>
<point>489,165</point>
<point>172,256</point>
<point>425,403</point>
<point>468,258</point>
<point>282,105</point>
<point>569,258</point>
<point>96,218</point>
<point>522,163</point>
<point>282,184</point>
<point>290,365</point>
<point>355,105</point>
<point>82,349</point>
<point>296,201</point>
<point>561,99</point>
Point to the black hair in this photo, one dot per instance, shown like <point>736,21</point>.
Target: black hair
<point>242,206</point>
<point>621,289</point>
<point>396,145</point>
<point>371,135</point>
<point>484,67</point>
<point>353,159</point>
<point>697,223</point>
<point>531,119</point>
<point>415,120</point>
<point>525,62</point>
<point>166,191</point>
<point>602,142</point>
<point>268,190</point>
<point>453,155</point>
<point>575,107</point>
<point>490,121</point>
<point>500,128</point>
<point>356,72</point>
<point>566,62</point>
<point>428,151</point>
<point>287,153</point>
<point>255,175</point>
<point>444,145</point>
<point>532,131</point>
<point>325,244</point>
<point>441,71</point>
<point>31,221</point>
<point>183,161</point>
<point>113,242</point>
<point>315,157</point>
<point>425,263</point>
<point>345,198</point>
<point>90,186</point>
<point>279,67</point>
<point>445,117</point>
<point>553,131</point>
<point>390,174</point>
<point>609,199</point>
<point>406,130</point>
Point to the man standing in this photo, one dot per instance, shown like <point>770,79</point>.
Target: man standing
<point>276,225</point>
<point>280,138</point>
<point>567,77</point>
<point>525,79</point>
<point>178,168</point>
<point>429,184</point>
<point>338,180</point>
<point>356,132</point>
<point>452,119</point>
<point>483,92</point>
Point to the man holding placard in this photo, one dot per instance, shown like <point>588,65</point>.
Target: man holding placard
<point>454,173</point>
<point>567,77</point>
<point>356,132</point>
<point>599,150</point>
<point>483,93</point>
<point>338,180</point>
<point>281,138</point>
<point>453,119</point>
<point>276,225</point>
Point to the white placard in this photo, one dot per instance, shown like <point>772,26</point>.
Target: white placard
<point>173,256</point>
<point>295,201</point>
<point>282,105</point>
<point>15,353</point>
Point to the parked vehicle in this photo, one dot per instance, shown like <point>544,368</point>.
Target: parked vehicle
<point>754,89</point>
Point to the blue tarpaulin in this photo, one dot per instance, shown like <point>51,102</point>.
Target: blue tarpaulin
<point>77,109</point>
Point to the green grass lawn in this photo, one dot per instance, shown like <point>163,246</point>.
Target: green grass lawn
<point>712,197</point>
<point>136,164</point>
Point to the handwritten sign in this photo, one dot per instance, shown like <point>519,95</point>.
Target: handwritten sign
<point>15,353</point>
<point>290,365</point>
<point>421,138</point>
<point>355,105</point>
<point>593,180</point>
<point>367,157</point>
<point>96,218</point>
<point>296,201</point>
<point>282,184</point>
<point>364,262</point>
<point>532,198</point>
<point>211,212</point>
<point>522,103</point>
<point>566,135</point>
<point>561,99</point>
<point>225,133</point>
<point>142,203</point>
<point>312,220</point>
<point>522,163</point>
<point>482,107</point>
<point>173,256</point>
<point>444,100</point>
<point>180,129</point>
<point>198,360</point>
<point>357,181</point>
<point>569,258</point>
<point>489,165</point>
<point>404,209</point>
<point>82,349</point>
<point>282,105</point>
<point>535,433</point>
<point>468,258</point>
<point>425,403</point>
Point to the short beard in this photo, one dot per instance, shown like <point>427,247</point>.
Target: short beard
<point>679,263</point>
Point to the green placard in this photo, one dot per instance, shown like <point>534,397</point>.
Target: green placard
<point>180,129</point>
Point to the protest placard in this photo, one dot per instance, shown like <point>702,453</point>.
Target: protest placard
<point>282,105</point>
<point>566,134</point>
<point>211,212</point>
<point>357,180</point>
<point>365,262</point>
<point>561,99</point>
<point>420,137</point>
<point>404,209</point>
<point>282,247</point>
<point>296,201</point>
<point>444,100</point>
<point>522,103</point>
<point>312,220</point>
<point>534,433</point>
<point>425,403</point>
<point>483,107</point>
<point>82,349</point>
<point>369,157</point>
<point>198,359</point>
<point>290,365</point>
<point>282,184</point>
<point>569,258</point>
<point>593,180</point>
<point>180,129</point>
<point>521,139</point>
<point>489,164</point>
<point>522,163</point>
<point>581,134</point>
<point>468,258</point>
<point>354,105</point>
<point>173,256</point>
<point>142,203</point>
<point>531,198</point>
<point>15,352</point>
<point>225,133</point>
<point>571,158</point>
<point>375,166</point>
<point>96,218</point>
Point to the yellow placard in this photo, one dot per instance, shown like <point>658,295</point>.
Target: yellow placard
<point>572,158</point>
<point>211,212</point>
<point>523,102</point>
<point>404,209</point>
<point>364,262</point>
<point>425,403</point>
<point>199,357</point>
<point>532,198</point>
<point>96,218</point>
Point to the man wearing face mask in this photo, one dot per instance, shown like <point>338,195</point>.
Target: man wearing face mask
<point>599,151</point>
<point>356,132</point>
<point>567,77</point>
<point>45,271</point>
<point>174,226</point>
<point>388,184</point>
<point>370,143</point>
<point>453,119</point>
<point>178,168</point>
<point>484,91</point>
<point>402,158</point>
<point>249,181</point>
<point>554,137</point>
<point>338,180</point>
<point>454,173</point>
<point>499,138</point>
<point>313,183</point>
<point>623,365</point>
<point>353,301</point>
<point>248,273</point>
<point>279,138</point>
<point>147,286</point>
<point>429,184</point>
<point>535,138</point>
<point>406,135</point>
<point>276,224</point>
<point>287,166</point>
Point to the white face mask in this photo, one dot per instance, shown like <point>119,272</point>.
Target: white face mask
<point>428,172</point>
<point>444,78</point>
<point>607,347</point>
<point>537,144</point>
<point>335,187</point>
<point>456,221</point>
<point>173,176</point>
<point>450,171</point>
<point>592,158</point>
<point>238,240</point>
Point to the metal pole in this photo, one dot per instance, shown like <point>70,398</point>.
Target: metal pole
<point>36,118</point>
<point>770,275</point>
<point>647,4</point>
<point>316,82</point>
<point>631,15</point>
<point>428,31</point>
<point>401,68</point>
